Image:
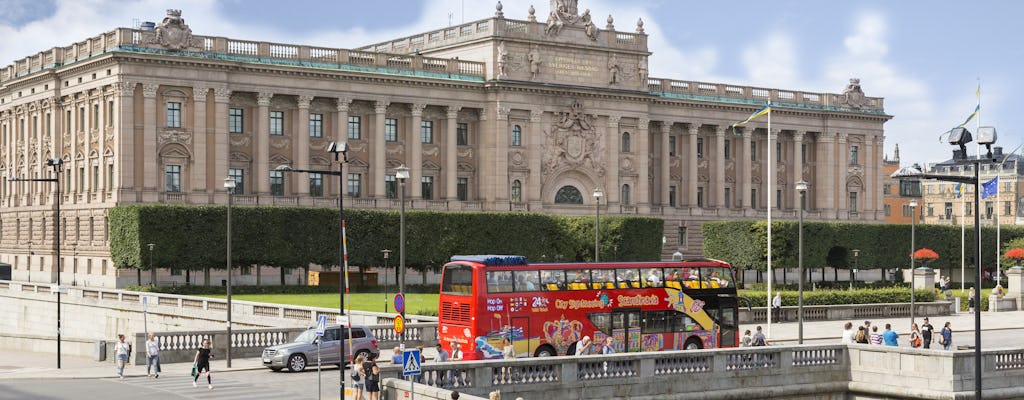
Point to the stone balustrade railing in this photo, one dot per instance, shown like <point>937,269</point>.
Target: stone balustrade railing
<point>818,371</point>
<point>849,312</point>
<point>757,95</point>
<point>136,40</point>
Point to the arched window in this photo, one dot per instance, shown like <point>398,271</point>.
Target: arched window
<point>568,195</point>
<point>517,191</point>
<point>625,142</point>
<point>624,198</point>
<point>517,136</point>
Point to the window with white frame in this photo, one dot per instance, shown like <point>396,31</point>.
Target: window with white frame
<point>517,136</point>
<point>277,123</point>
<point>517,191</point>
<point>277,183</point>
<point>462,189</point>
<point>427,187</point>
<point>235,124</point>
<point>238,176</point>
<point>354,127</point>
<point>426,132</point>
<point>391,130</point>
<point>355,184</point>
<point>462,134</point>
<point>316,125</point>
<point>390,187</point>
<point>316,184</point>
<point>173,114</point>
<point>172,179</point>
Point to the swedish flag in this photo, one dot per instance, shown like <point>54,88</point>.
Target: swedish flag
<point>959,189</point>
<point>767,109</point>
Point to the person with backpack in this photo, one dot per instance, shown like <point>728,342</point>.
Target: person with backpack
<point>358,377</point>
<point>373,382</point>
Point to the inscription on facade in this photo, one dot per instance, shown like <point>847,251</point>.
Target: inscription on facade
<point>572,66</point>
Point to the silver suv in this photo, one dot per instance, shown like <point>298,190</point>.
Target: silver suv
<point>302,352</point>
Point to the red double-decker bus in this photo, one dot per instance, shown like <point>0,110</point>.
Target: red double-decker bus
<point>546,308</point>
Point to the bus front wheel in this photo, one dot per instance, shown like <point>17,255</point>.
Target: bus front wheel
<point>545,351</point>
<point>693,344</point>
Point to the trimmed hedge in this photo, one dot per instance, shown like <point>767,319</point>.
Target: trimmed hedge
<point>191,290</point>
<point>759,298</point>
<point>193,237</point>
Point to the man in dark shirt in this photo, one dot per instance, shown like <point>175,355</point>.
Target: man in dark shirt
<point>926,333</point>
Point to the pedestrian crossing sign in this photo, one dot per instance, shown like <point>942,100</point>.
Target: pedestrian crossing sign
<point>411,362</point>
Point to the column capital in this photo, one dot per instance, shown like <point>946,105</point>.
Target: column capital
<point>842,137</point>
<point>222,95</point>
<point>720,130</point>
<point>693,129</point>
<point>880,140</point>
<point>263,98</point>
<point>643,123</point>
<point>303,101</point>
<point>417,109</point>
<point>666,127</point>
<point>535,115</point>
<point>149,90</point>
<point>199,93</point>
<point>342,104</point>
<point>124,88</point>
<point>453,112</point>
<point>798,136</point>
<point>613,121</point>
<point>502,112</point>
<point>381,106</point>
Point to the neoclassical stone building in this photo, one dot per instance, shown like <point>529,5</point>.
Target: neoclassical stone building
<point>493,115</point>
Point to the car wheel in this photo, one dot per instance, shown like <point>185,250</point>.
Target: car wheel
<point>693,344</point>
<point>545,351</point>
<point>296,363</point>
<point>362,353</point>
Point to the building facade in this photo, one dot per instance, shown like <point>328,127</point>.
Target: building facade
<point>946,203</point>
<point>493,115</point>
<point>899,192</point>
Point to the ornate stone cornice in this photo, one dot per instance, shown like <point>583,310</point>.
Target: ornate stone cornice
<point>263,99</point>
<point>842,137</point>
<point>149,90</point>
<point>613,121</point>
<point>643,123</point>
<point>124,88</point>
<point>502,112</point>
<point>798,136</point>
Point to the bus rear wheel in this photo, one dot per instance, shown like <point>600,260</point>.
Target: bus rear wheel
<point>693,344</point>
<point>545,351</point>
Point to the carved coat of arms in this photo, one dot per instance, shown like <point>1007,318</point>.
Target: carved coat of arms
<point>173,33</point>
<point>573,143</point>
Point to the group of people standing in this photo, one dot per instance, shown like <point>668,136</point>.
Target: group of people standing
<point>200,363</point>
<point>920,336</point>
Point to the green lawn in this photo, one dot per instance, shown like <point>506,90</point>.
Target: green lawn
<point>415,303</point>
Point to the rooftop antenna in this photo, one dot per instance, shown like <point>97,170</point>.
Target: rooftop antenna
<point>450,14</point>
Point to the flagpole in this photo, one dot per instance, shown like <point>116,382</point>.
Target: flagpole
<point>963,244</point>
<point>770,196</point>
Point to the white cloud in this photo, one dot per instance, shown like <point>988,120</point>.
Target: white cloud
<point>772,62</point>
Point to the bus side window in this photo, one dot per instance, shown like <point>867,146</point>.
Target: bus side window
<point>553,279</point>
<point>499,281</point>
<point>526,281</point>
<point>654,278</point>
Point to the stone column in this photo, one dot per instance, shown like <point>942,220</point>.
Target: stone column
<point>666,174</point>
<point>535,144</point>
<point>151,160</point>
<point>88,132</point>
<point>261,145</point>
<point>825,195</point>
<point>718,180</point>
<point>341,135</point>
<point>379,168</point>
<point>643,153</point>
<point>747,165</point>
<point>611,176</point>
<point>867,202</point>
<point>691,169</point>
<point>101,180</point>
<point>221,138</point>
<point>880,175</point>
<point>451,154</point>
<point>798,167</point>
<point>501,181</point>
<point>124,141</point>
<point>302,142</point>
<point>199,136</point>
<point>415,153</point>
<point>842,159</point>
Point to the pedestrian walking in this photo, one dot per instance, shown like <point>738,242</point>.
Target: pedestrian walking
<point>946,340</point>
<point>970,301</point>
<point>122,350</point>
<point>746,340</point>
<point>848,334</point>
<point>890,337</point>
<point>508,352</point>
<point>927,331</point>
<point>777,306</point>
<point>201,363</point>
<point>915,336</point>
<point>442,354</point>
<point>609,346</point>
<point>373,382</point>
<point>456,351</point>
<point>153,356</point>
<point>876,338</point>
<point>358,377</point>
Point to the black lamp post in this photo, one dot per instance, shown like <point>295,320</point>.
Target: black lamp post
<point>386,253</point>
<point>340,150</point>
<point>402,174</point>
<point>597,223</point>
<point>913,247</point>
<point>229,184</point>
<point>853,273</point>
<point>57,164</point>
<point>801,187</point>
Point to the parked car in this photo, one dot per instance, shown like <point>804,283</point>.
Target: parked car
<point>302,352</point>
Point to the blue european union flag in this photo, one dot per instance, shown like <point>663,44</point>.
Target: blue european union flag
<point>990,188</point>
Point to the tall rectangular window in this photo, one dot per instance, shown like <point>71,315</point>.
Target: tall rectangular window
<point>173,114</point>
<point>316,184</point>
<point>277,123</point>
<point>67,122</point>
<point>110,176</point>
<point>778,151</point>
<point>172,179</point>
<point>517,136</point>
<point>426,131</point>
<point>989,209</point>
<point>316,125</point>
<point>462,189</point>
<point>239,178</point>
<point>276,183</point>
<point>728,148</point>
<point>888,210</point>
<point>81,179</point>
<point>235,124</point>
<point>355,127</point>
<point>681,241</point>
<point>96,116</point>
<point>671,196</point>
<point>753,198</point>
<point>671,146</point>
<point>390,187</point>
<point>355,184</point>
<point>428,187</point>
<point>1006,208</point>
<point>854,155</point>
<point>727,203</point>
<point>700,196</point>
<point>753,150</point>
<point>803,152</point>
<point>81,119</point>
<point>853,201</point>
<point>96,178</point>
<point>110,113</point>
<point>390,129</point>
<point>778,199</point>
<point>700,147</point>
<point>462,134</point>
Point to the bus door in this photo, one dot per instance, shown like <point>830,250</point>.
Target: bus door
<point>728,320</point>
<point>626,329</point>
<point>521,338</point>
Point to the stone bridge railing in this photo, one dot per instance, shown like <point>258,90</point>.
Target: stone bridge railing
<point>850,312</point>
<point>819,371</point>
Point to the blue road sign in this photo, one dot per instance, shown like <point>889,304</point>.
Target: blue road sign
<point>399,302</point>
<point>321,325</point>
<point>411,362</point>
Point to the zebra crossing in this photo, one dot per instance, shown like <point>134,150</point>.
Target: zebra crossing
<point>223,388</point>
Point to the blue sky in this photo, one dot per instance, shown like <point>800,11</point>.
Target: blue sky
<point>923,57</point>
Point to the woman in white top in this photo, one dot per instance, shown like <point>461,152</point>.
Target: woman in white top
<point>508,352</point>
<point>153,356</point>
<point>121,350</point>
<point>848,334</point>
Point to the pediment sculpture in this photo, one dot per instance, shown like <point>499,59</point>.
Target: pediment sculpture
<point>573,144</point>
<point>173,33</point>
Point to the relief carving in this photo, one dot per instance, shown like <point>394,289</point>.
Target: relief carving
<point>517,158</point>
<point>174,136</point>
<point>573,143</point>
<point>466,152</point>
<point>240,140</point>
<point>430,150</point>
<point>280,143</point>
<point>395,149</point>
<point>853,96</point>
<point>173,33</point>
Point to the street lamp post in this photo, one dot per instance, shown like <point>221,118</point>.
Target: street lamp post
<point>229,184</point>
<point>853,275</point>
<point>57,164</point>
<point>340,150</point>
<point>801,187</point>
<point>913,246</point>
<point>402,174</point>
<point>386,253</point>
<point>597,223</point>
<point>151,245</point>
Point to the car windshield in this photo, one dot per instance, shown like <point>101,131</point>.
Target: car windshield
<point>306,337</point>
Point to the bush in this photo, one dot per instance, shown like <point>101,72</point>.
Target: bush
<point>759,298</point>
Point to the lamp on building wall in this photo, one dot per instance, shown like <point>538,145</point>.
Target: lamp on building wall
<point>801,187</point>
<point>229,184</point>
<point>597,223</point>
<point>402,174</point>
